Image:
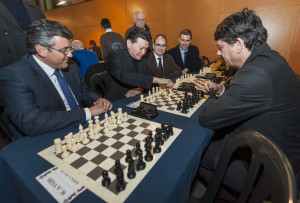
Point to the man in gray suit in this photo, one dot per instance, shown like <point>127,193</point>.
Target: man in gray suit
<point>264,96</point>
<point>15,15</point>
<point>43,92</point>
<point>162,65</point>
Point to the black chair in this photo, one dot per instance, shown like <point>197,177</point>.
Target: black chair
<point>92,70</point>
<point>103,84</point>
<point>205,60</point>
<point>269,177</point>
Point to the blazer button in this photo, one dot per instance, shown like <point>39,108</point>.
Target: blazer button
<point>8,50</point>
<point>6,32</point>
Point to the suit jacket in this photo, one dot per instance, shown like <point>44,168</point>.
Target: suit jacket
<point>121,68</point>
<point>170,68</point>
<point>32,102</point>
<point>13,38</point>
<point>193,62</point>
<point>264,96</point>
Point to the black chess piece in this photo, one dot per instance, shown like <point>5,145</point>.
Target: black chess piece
<point>185,95</point>
<point>138,148</point>
<point>148,156</point>
<point>157,148</point>
<point>118,168</point>
<point>131,171</point>
<point>128,155</point>
<point>178,106</point>
<point>106,180</point>
<point>141,165</point>
<point>150,136</point>
<point>170,126</point>
<point>121,185</point>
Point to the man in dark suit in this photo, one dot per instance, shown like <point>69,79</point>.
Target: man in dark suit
<point>42,91</point>
<point>128,67</point>
<point>161,64</point>
<point>15,15</point>
<point>185,55</point>
<point>263,96</point>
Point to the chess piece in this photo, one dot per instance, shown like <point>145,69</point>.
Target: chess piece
<point>141,165</point>
<point>138,148</point>
<point>131,171</point>
<point>85,140</point>
<point>157,148</point>
<point>106,180</point>
<point>148,156</point>
<point>150,136</point>
<point>170,128</point>
<point>125,116</point>
<point>65,153</point>
<point>121,185</point>
<point>106,129</point>
<point>128,156</point>
<point>96,134</point>
<point>74,145</point>
<point>119,121</point>
<point>57,145</point>
<point>142,98</point>
<point>118,168</point>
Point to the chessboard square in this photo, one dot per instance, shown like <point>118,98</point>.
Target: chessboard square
<point>109,151</point>
<point>95,173</point>
<point>92,144</point>
<point>98,159</point>
<point>107,164</point>
<point>83,150</point>
<point>171,109</point>
<point>103,138</point>
<point>159,105</point>
<point>133,142</point>
<point>117,145</point>
<point>101,148</point>
<point>140,137</point>
<point>125,147</point>
<point>117,155</point>
<point>118,129</point>
<point>79,162</point>
<point>90,155</point>
<point>139,129</point>
<point>144,125</point>
<point>132,134</point>
<point>87,167</point>
<point>125,131</point>
<point>131,127</point>
<point>118,136</point>
<point>145,132</point>
<point>109,141</point>
<point>130,120</point>
<point>73,157</point>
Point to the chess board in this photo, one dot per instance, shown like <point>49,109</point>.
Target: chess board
<point>163,103</point>
<point>87,163</point>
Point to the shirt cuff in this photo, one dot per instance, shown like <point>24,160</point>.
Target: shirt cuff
<point>218,95</point>
<point>88,114</point>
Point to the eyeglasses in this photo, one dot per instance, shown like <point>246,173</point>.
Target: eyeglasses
<point>64,51</point>
<point>161,45</point>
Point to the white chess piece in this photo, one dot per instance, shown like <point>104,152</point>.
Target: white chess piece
<point>96,134</point>
<point>106,130</point>
<point>142,98</point>
<point>65,153</point>
<point>125,116</point>
<point>74,145</point>
<point>85,138</point>
<point>57,145</point>
<point>119,121</point>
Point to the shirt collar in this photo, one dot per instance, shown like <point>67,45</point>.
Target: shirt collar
<point>108,30</point>
<point>156,57</point>
<point>48,70</point>
<point>182,51</point>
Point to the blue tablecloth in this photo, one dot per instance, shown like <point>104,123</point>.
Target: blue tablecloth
<point>168,181</point>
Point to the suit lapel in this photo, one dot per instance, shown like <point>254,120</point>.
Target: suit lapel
<point>72,83</point>
<point>153,63</point>
<point>44,80</point>
<point>179,56</point>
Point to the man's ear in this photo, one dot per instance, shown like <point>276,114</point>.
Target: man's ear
<point>240,45</point>
<point>129,43</point>
<point>41,50</point>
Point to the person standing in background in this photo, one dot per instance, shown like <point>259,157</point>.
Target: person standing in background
<point>110,40</point>
<point>96,49</point>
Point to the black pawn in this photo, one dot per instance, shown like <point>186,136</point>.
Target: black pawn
<point>157,148</point>
<point>131,172</point>
<point>138,148</point>
<point>106,180</point>
<point>178,106</point>
<point>118,168</point>
<point>141,165</point>
<point>128,155</point>
<point>170,126</point>
<point>150,136</point>
<point>148,156</point>
<point>121,185</point>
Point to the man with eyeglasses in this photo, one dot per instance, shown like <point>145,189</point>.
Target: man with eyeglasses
<point>161,64</point>
<point>42,91</point>
<point>128,67</point>
<point>186,55</point>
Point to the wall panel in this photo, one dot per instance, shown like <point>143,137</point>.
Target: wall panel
<point>294,62</point>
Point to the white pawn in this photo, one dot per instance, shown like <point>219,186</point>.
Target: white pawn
<point>65,153</point>
<point>119,120</point>
<point>96,134</point>
<point>120,112</point>
<point>105,116</point>
<point>115,125</point>
<point>92,133</point>
<point>169,97</point>
<point>85,138</point>
<point>125,116</point>
<point>153,99</point>
<point>57,145</point>
<point>171,92</point>
<point>147,99</point>
<point>106,130</point>
<point>74,145</point>
<point>142,98</point>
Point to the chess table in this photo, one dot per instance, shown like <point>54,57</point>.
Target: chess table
<point>169,180</point>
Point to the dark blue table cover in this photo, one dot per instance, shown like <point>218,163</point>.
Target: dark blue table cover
<point>168,181</point>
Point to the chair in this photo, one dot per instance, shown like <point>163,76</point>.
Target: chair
<point>103,84</point>
<point>92,70</point>
<point>205,60</point>
<point>269,177</point>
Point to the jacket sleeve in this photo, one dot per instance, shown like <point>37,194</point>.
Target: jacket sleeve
<point>173,69</point>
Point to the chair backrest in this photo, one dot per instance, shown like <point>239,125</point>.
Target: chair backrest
<point>269,177</point>
<point>92,70</point>
<point>205,60</point>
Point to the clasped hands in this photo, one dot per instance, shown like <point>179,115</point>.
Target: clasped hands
<point>100,106</point>
<point>209,86</point>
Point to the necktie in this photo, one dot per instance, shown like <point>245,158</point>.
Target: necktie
<point>184,57</point>
<point>160,68</point>
<point>66,90</point>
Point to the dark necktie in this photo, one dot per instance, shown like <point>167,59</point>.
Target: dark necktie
<point>184,58</point>
<point>160,68</point>
<point>66,90</point>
